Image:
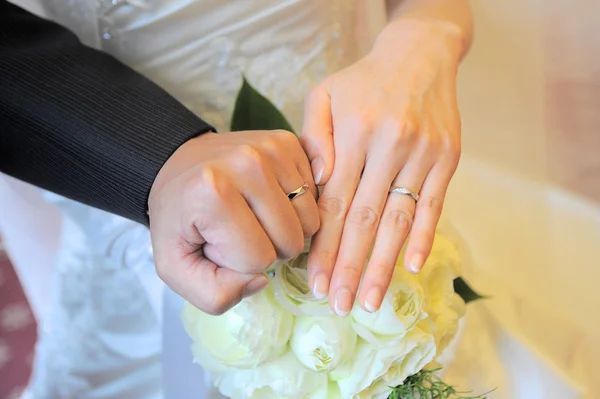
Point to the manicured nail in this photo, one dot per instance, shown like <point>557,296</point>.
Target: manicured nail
<point>373,300</point>
<point>343,302</point>
<point>318,168</point>
<point>255,286</point>
<point>320,286</point>
<point>416,263</point>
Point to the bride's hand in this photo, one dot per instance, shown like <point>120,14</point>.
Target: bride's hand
<point>389,120</point>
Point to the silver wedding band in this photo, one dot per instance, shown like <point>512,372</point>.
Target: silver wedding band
<point>298,192</point>
<point>404,191</point>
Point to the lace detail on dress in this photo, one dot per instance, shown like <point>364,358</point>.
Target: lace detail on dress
<point>204,70</point>
<point>102,326</point>
<point>284,74</point>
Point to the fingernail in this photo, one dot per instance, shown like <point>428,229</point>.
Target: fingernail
<point>343,302</point>
<point>255,286</point>
<point>318,168</point>
<point>416,263</point>
<point>320,286</point>
<point>373,300</point>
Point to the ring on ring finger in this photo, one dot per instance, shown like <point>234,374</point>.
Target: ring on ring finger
<point>298,192</point>
<point>404,191</point>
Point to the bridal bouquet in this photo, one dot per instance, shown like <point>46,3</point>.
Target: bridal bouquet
<point>285,343</point>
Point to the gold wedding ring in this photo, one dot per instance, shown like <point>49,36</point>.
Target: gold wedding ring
<point>298,192</point>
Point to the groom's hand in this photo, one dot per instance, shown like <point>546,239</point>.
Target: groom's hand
<point>220,215</point>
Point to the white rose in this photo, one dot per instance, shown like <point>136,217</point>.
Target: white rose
<point>323,343</point>
<point>290,284</point>
<point>254,331</point>
<point>375,368</point>
<point>401,309</point>
<point>283,378</point>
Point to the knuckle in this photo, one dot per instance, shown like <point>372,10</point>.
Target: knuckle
<point>358,125</point>
<point>334,206</point>
<point>403,130</point>
<point>271,146</point>
<point>452,149</point>
<point>250,158</point>
<point>281,142</point>
<point>430,142</point>
<point>351,271</point>
<point>218,304</point>
<point>291,248</point>
<point>196,184</point>
<point>207,185</point>
<point>364,217</point>
<point>407,127</point>
<point>296,247</point>
<point>323,261</point>
<point>382,271</point>
<point>265,260</point>
<point>363,121</point>
<point>399,219</point>
<point>432,203</point>
<point>284,136</point>
<point>280,139</point>
<point>312,227</point>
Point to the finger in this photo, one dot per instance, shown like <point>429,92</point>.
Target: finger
<point>394,227</point>
<point>232,235</point>
<point>284,148</point>
<point>429,210</point>
<point>300,173</point>
<point>333,205</point>
<point>210,288</point>
<point>358,233</point>
<point>304,168</point>
<point>317,134</point>
<point>305,205</point>
<point>383,164</point>
<point>260,188</point>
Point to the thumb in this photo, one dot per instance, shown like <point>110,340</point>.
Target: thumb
<point>317,134</point>
<point>211,288</point>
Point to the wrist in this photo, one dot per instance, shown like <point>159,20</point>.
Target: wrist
<point>186,156</point>
<point>431,36</point>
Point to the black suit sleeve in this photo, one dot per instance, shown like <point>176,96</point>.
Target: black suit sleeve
<point>78,122</point>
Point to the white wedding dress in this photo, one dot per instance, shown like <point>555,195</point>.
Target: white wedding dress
<point>110,329</point>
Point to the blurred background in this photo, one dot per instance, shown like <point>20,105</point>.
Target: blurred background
<point>526,201</point>
<point>526,198</point>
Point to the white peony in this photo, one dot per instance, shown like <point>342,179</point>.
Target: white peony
<point>444,253</point>
<point>401,309</point>
<point>376,368</point>
<point>290,284</point>
<point>329,357</point>
<point>254,331</point>
<point>443,306</point>
<point>283,378</point>
<point>323,343</point>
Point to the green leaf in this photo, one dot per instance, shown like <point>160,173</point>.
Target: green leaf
<point>466,293</point>
<point>253,111</point>
<point>426,384</point>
